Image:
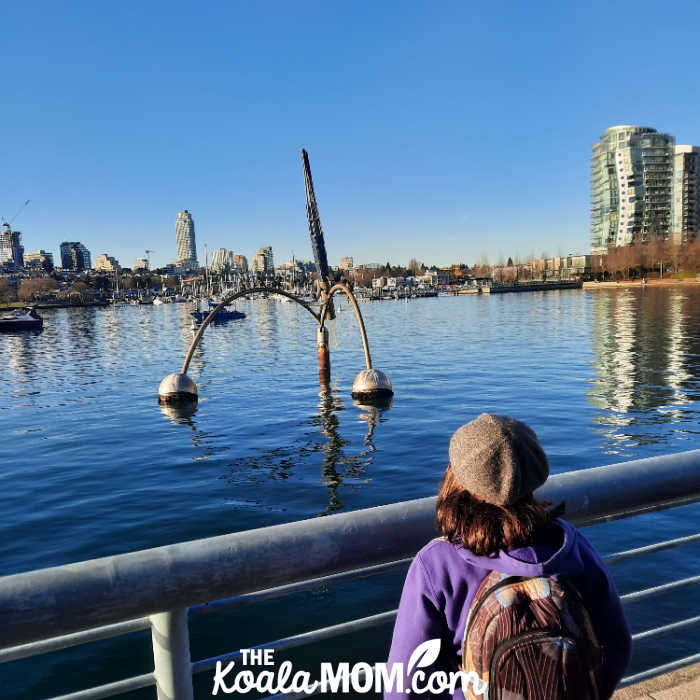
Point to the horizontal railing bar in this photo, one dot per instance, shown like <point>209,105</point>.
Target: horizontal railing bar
<point>319,689</point>
<point>675,503</point>
<point>658,590</point>
<point>291,696</point>
<point>279,591</point>
<point>95,634</point>
<point>651,548</point>
<point>121,628</point>
<point>658,670</point>
<point>666,629</point>
<point>126,586</point>
<point>109,690</point>
<point>302,639</point>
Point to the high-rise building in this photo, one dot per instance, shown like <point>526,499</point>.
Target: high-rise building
<point>222,260</point>
<point>75,256</point>
<point>263,261</point>
<point>106,263</point>
<point>39,259</point>
<point>346,263</point>
<point>11,249</point>
<point>631,187</point>
<point>241,262</point>
<point>186,245</point>
<point>686,193</point>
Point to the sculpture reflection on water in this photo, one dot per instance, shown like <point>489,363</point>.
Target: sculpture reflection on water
<point>320,449</point>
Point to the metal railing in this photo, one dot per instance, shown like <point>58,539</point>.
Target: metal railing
<point>160,588</point>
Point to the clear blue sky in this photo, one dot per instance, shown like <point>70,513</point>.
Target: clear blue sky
<point>436,130</point>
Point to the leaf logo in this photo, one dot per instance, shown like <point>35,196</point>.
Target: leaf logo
<point>424,654</point>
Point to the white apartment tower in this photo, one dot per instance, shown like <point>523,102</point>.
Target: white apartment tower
<point>186,245</point>
<point>686,193</point>
<point>632,173</point>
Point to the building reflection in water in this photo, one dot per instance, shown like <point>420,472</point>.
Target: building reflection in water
<point>642,359</point>
<point>18,352</point>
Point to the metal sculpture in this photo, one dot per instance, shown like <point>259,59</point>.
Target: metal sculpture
<point>369,385</point>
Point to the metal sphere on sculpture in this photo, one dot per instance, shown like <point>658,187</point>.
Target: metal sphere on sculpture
<point>177,388</point>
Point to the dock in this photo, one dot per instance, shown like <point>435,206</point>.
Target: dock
<point>681,684</point>
<point>534,286</point>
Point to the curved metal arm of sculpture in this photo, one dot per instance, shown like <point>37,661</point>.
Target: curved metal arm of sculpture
<point>228,300</point>
<point>340,287</point>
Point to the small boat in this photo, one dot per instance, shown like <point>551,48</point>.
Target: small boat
<point>221,317</point>
<point>25,320</point>
<point>157,301</point>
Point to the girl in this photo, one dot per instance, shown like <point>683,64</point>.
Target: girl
<point>491,522</point>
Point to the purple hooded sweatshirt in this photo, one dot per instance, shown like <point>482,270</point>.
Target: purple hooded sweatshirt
<point>443,578</point>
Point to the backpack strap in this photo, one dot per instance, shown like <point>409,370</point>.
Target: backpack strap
<point>476,604</point>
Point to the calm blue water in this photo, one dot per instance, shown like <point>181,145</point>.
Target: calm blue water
<point>91,465</point>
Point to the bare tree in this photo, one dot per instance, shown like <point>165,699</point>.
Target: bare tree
<point>415,267</point>
<point>81,291</point>
<point>35,288</point>
<point>7,292</point>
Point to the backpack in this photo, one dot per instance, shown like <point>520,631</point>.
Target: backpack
<point>530,639</point>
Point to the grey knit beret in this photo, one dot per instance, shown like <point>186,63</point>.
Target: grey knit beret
<point>498,459</point>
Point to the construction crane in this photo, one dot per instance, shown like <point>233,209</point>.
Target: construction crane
<point>8,224</point>
<point>148,258</point>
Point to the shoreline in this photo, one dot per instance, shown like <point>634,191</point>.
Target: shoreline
<point>14,305</point>
<point>638,283</point>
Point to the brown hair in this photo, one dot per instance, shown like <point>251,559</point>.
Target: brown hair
<point>484,528</point>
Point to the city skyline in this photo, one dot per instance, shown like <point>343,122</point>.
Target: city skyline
<point>439,136</point>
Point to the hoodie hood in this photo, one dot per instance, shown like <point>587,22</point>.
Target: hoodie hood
<point>538,560</point>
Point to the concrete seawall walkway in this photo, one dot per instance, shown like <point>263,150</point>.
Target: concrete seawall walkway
<point>683,684</point>
<point>638,283</point>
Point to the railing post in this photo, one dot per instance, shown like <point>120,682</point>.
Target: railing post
<point>171,655</point>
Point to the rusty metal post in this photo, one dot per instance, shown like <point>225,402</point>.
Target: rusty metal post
<point>324,359</point>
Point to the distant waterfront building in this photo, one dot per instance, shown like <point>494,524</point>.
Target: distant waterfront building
<point>75,256</point>
<point>106,263</point>
<point>686,193</point>
<point>39,259</point>
<point>258,264</point>
<point>263,261</point>
<point>222,260</point>
<point>186,245</point>
<point>140,264</point>
<point>241,262</point>
<point>427,279</point>
<point>11,249</point>
<point>346,263</point>
<point>631,187</point>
